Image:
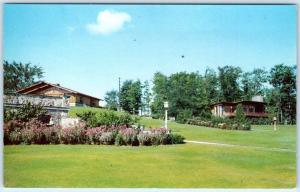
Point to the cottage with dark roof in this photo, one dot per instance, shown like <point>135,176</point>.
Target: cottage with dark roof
<point>252,109</point>
<point>48,89</point>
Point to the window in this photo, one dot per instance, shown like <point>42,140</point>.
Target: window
<point>251,109</point>
<point>80,100</point>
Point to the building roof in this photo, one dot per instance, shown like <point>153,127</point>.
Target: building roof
<point>42,84</point>
<point>237,102</point>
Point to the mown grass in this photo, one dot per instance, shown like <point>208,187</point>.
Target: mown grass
<point>173,166</point>
<point>260,135</point>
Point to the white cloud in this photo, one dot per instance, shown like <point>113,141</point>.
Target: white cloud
<point>108,22</point>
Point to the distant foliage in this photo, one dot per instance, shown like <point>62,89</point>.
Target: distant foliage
<point>221,123</point>
<point>184,115</point>
<point>111,98</point>
<point>19,75</point>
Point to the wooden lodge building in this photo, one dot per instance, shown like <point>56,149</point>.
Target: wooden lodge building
<point>75,98</point>
<point>252,109</point>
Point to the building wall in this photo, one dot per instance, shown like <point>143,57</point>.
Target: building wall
<point>227,110</point>
<point>74,100</point>
<point>53,91</point>
<point>57,107</point>
<point>84,100</point>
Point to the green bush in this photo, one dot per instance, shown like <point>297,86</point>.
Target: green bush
<point>119,140</point>
<point>240,115</point>
<point>183,116</point>
<point>105,117</point>
<point>221,123</point>
<point>25,113</point>
<point>176,139</point>
<point>156,116</point>
<point>15,137</point>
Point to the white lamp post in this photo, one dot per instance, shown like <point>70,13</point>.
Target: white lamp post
<point>166,106</point>
<point>274,123</point>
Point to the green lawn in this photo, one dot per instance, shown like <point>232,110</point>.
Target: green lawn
<point>174,166</point>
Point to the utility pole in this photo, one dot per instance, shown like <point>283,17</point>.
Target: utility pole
<point>119,105</point>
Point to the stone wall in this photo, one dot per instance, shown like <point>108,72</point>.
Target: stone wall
<point>48,101</point>
<point>57,107</point>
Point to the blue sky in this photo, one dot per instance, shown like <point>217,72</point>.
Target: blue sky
<point>87,47</point>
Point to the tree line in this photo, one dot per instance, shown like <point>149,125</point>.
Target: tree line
<point>191,93</point>
<point>188,94</point>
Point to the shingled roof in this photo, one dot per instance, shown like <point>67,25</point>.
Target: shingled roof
<point>45,85</point>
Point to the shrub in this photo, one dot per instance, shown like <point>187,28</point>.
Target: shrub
<point>144,138</point>
<point>129,136</point>
<point>246,126</point>
<point>15,137</point>
<point>33,132</point>
<point>105,117</point>
<point>13,131</point>
<point>176,139</point>
<point>160,136</point>
<point>119,140</point>
<point>85,116</point>
<point>27,112</point>
<point>52,135</point>
<point>156,116</point>
<point>184,115</point>
<point>240,115</point>
<point>93,135</point>
<point>107,138</point>
<point>73,135</point>
<point>221,123</point>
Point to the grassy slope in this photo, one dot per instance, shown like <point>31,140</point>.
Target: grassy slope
<point>180,166</point>
<point>262,135</point>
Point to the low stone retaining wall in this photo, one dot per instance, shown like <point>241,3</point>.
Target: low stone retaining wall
<point>57,107</point>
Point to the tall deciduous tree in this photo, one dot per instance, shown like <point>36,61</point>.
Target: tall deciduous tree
<point>228,77</point>
<point>212,86</point>
<point>111,99</point>
<point>146,98</point>
<point>19,75</point>
<point>253,83</point>
<point>283,79</point>
<point>131,96</point>
<point>184,91</point>
<point>160,93</point>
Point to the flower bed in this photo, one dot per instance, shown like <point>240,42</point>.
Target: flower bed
<point>219,124</point>
<point>36,132</point>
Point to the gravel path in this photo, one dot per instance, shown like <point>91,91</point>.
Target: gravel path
<point>241,146</point>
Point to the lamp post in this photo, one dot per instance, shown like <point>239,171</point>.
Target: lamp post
<point>274,123</point>
<point>166,106</point>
